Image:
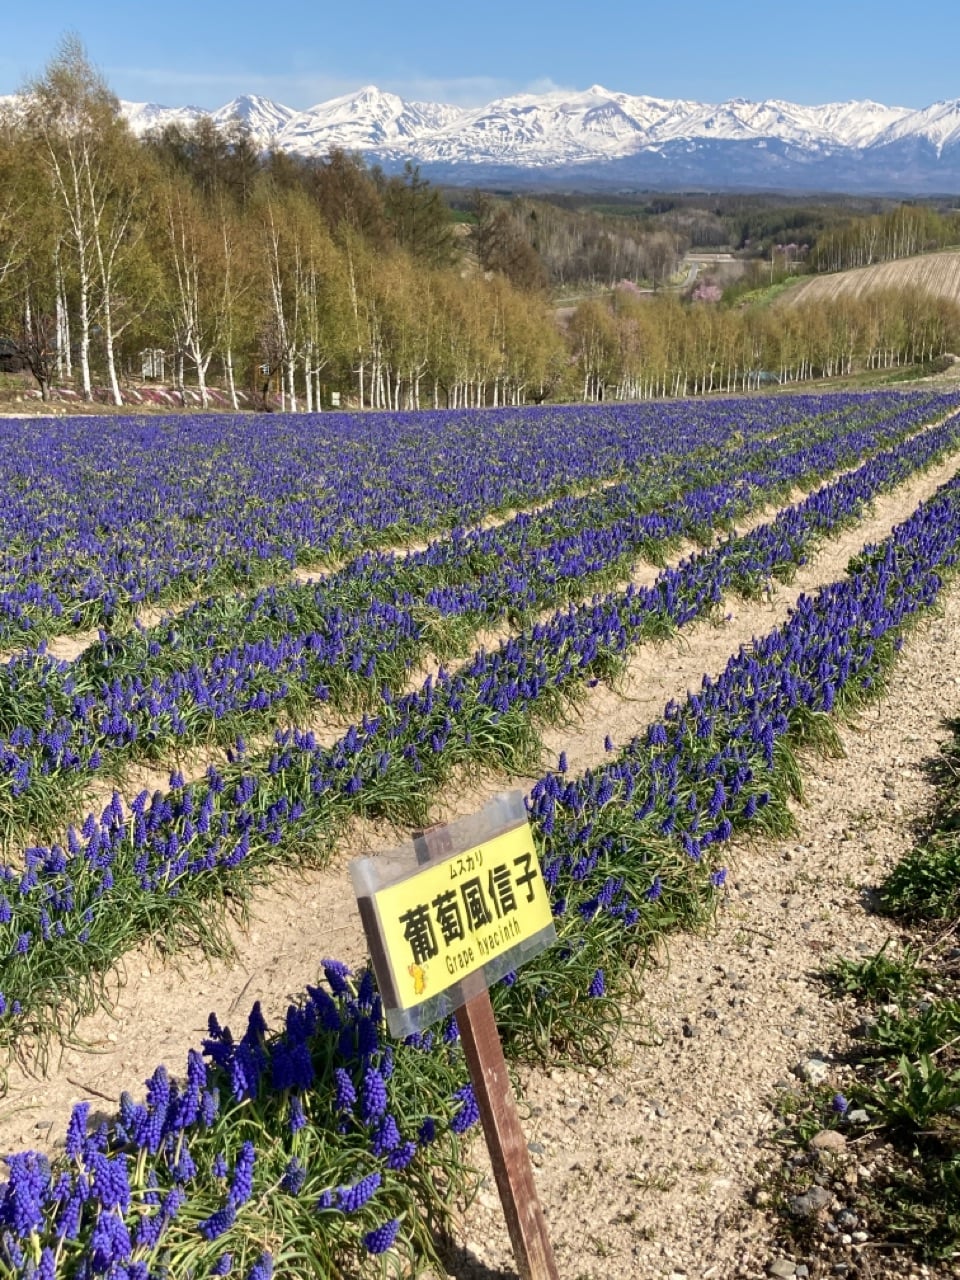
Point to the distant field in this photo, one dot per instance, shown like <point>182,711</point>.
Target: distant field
<point>938,273</point>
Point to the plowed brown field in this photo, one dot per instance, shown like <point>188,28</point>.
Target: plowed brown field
<point>937,273</point>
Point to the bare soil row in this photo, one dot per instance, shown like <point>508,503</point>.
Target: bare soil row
<point>161,1005</point>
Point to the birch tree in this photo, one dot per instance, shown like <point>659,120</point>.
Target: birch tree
<point>28,281</point>
<point>74,124</point>
<point>236,290</point>
<point>12,204</point>
<point>194,258</point>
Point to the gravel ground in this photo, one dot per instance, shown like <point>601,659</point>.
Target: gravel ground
<point>660,1155</point>
<point>645,1168</point>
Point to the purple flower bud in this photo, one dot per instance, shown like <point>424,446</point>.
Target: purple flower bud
<point>374,1095</point>
<point>352,1199</point>
<point>469,1112</point>
<point>346,1094</point>
<point>242,1187</point>
<point>77,1130</point>
<point>294,1176</point>
<point>263,1267</point>
<point>380,1240</point>
<point>214,1226</point>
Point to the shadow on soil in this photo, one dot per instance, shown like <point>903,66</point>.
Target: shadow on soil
<point>461,1264</point>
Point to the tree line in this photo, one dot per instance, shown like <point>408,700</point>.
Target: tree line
<point>639,348</point>
<point>898,233</point>
<point>269,271</point>
<point>192,253</point>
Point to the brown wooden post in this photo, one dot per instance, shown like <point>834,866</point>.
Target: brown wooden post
<point>506,1143</point>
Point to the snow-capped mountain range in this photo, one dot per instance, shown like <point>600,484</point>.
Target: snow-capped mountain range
<point>598,137</point>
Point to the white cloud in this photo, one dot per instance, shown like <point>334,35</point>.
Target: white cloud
<point>209,90</point>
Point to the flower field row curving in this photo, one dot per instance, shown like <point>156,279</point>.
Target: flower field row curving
<point>101,516</point>
<point>69,910</point>
<point>239,665</point>
<point>300,1152</point>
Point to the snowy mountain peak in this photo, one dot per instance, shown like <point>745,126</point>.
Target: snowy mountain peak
<point>601,136</point>
<point>262,118</point>
<point>144,116</point>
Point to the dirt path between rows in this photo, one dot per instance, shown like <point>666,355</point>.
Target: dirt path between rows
<point>648,1169</point>
<point>710,1088</point>
<point>328,725</point>
<point>70,645</point>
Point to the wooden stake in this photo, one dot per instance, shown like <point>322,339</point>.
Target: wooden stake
<point>498,1109</point>
<point>505,1141</point>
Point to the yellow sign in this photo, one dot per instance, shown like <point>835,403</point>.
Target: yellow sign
<point>454,916</point>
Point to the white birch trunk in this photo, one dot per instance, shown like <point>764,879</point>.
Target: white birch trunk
<point>228,367</point>
<point>108,342</point>
<point>308,376</point>
<point>85,384</point>
<point>291,383</point>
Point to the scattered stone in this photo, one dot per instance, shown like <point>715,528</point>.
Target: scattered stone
<point>814,1070</point>
<point>690,1032</point>
<point>785,1267</point>
<point>618,1100</point>
<point>810,1203</point>
<point>536,1148</point>
<point>827,1140</point>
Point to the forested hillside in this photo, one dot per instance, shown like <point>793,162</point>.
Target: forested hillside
<point>192,257</point>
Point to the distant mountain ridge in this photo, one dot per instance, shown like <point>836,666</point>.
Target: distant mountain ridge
<point>601,138</point>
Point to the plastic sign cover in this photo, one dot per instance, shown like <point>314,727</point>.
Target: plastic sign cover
<point>480,909</point>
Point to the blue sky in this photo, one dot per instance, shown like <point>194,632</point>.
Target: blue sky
<point>300,52</point>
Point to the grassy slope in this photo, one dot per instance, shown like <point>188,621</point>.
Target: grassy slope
<point>937,272</point>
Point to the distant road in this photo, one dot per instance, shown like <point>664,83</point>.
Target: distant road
<point>693,262</point>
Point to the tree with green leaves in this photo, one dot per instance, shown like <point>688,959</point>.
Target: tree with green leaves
<point>91,160</point>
